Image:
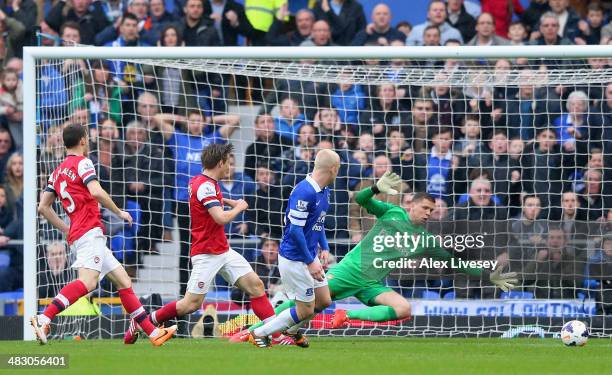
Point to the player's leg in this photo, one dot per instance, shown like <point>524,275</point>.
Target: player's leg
<point>122,281</point>
<point>322,301</point>
<point>204,269</point>
<point>90,254</point>
<point>238,271</point>
<point>299,285</point>
<point>279,309</point>
<point>69,294</point>
<point>383,303</point>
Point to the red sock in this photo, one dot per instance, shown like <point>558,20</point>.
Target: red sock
<point>167,312</point>
<point>263,309</point>
<point>133,307</point>
<point>67,296</point>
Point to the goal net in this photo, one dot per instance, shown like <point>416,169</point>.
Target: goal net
<point>515,151</point>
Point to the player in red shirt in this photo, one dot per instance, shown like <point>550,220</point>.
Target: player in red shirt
<point>210,251</point>
<point>76,184</point>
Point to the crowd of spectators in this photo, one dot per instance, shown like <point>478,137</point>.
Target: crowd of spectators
<point>536,155</point>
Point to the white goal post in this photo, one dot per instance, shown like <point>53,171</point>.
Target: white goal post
<point>236,54</point>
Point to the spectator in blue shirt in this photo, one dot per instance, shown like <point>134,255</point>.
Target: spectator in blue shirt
<point>128,37</point>
<point>289,120</point>
<point>348,100</point>
<point>436,16</point>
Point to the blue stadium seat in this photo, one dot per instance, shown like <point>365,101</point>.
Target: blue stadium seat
<point>516,294</point>
<point>430,294</point>
<point>450,295</point>
<point>11,302</point>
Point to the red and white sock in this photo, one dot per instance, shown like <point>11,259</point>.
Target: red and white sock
<point>167,312</point>
<point>132,305</point>
<point>263,309</point>
<point>67,296</point>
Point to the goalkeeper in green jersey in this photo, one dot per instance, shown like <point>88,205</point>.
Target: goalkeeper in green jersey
<point>358,274</point>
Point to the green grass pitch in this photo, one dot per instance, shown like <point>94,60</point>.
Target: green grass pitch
<point>342,355</point>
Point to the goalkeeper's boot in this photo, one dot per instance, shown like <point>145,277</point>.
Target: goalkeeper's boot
<point>298,339</point>
<point>163,335</point>
<point>241,336</point>
<point>260,341</point>
<point>339,319</point>
<point>41,330</point>
<point>131,335</point>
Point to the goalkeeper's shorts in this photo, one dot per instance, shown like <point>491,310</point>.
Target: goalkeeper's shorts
<point>345,282</point>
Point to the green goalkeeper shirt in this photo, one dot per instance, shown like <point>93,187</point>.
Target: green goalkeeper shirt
<point>391,221</point>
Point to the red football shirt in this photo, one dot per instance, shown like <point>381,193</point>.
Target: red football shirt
<point>69,182</point>
<point>207,237</point>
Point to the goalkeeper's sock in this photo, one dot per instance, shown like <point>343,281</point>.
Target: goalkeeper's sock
<point>132,305</point>
<point>67,296</point>
<point>280,323</point>
<point>167,312</point>
<point>373,314</point>
<point>284,306</point>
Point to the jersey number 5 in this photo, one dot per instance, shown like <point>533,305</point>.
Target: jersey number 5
<point>65,195</point>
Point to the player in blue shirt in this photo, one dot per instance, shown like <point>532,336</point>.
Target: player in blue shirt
<point>300,268</point>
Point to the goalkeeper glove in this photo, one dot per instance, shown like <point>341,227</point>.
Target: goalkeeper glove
<point>505,281</point>
<point>388,183</point>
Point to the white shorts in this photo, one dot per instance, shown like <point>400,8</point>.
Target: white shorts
<point>297,281</point>
<point>230,265</point>
<point>92,253</point>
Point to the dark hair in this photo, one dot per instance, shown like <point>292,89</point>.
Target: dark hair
<point>527,196</point>
<point>500,131</point>
<point>403,23</point>
<point>432,2</point>
<point>195,111</point>
<point>417,197</point>
<point>213,154</point>
<point>100,64</point>
<point>260,116</point>
<point>471,117</point>
<point>440,130</point>
<point>72,134</point>
<point>595,7</point>
<point>432,27</point>
<point>129,16</point>
<point>70,25</point>
<point>480,172</point>
<point>540,131</point>
<point>179,36</point>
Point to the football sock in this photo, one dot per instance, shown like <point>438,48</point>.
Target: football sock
<point>280,323</point>
<point>374,314</point>
<point>167,312</point>
<point>67,296</point>
<point>132,305</point>
<point>279,309</point>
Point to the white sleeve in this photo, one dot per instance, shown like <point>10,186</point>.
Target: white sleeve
<point>86,171</point>
<point>207,195</point>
